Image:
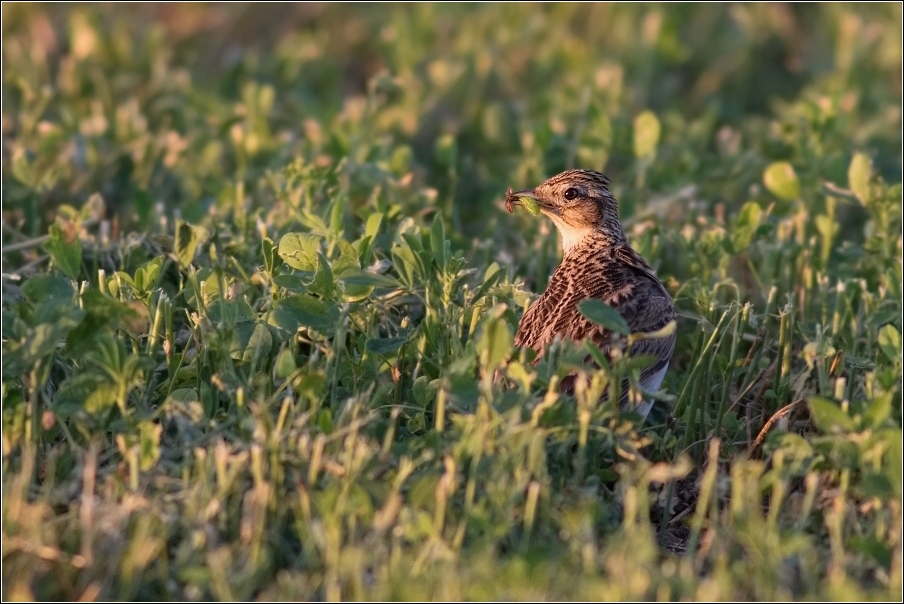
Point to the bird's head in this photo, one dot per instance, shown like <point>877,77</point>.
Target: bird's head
<point>578,202</point>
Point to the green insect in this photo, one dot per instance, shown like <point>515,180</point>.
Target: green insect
<point>529,203</point>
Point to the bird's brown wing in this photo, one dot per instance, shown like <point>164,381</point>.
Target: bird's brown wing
<point>649,315</point>
<point>648,310</point>
<point>622,280</point>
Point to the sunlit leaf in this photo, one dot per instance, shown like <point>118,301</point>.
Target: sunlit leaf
<point>446,150</point>
<point>828,416</point>
<point>101,399</point>
<point>372,227</point>
<point>781,179</point>
<point>646,134</point>
<point>149,442</point>
<point>187,239</point>
<point>299,250</point>
<point>495,342</point>
<point>879,410</point>
<point>746,225</point>
<point>146,276</point>
<point>890,341</point>
<point>65,251</point>
<point>859,175</point>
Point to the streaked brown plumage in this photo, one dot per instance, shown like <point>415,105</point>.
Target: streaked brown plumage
<point>598,263</point>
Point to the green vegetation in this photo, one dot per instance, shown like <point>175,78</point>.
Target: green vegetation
<point>259,291</point>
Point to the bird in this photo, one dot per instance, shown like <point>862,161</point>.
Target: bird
<point>597,263</point>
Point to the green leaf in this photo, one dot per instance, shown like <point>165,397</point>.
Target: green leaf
<point>827,227</point>
<point>93,208</point>
<point>285,364</point>
<point>302,310</point>
<point>495,342</point>
<point>892,459</point>
<point>150,444</point>
<point>890,342</point>
<point>446,151</point>
<point>491,277</point>
<point>337,212</point>
<point>385,345</point>
<point>146,276</point>
<point>422,493</point>
<point>187,238</point>
<point>22,170</point>
<point>597,354</point>
<point>356,293</point>
<point>407,263</point>
<point>795,447</point>
<point>102,315</point>
<point>746,225</point>
<point>372,226</point>
<point>881,485</point>
<point>311,385</point>
<point>422,391</point>
<point>858,176</point>
<point>358,284</point>
<point>299,250</point>
<point>516,372</point>
<point>365,252</point>
<point>241,335</point>
<point>400,160</point>
<point>602,314</point>
<point>296,283</point>
<point>646,134</point>
<point>872,547</point>
<point>259,345</point>
<point>362,277</point>
<point>828,416</point>
<point>45,288</point>
<point>325,421</point>
<point>781,180</point>
<point>879,410</point>
<point>102,398</point>
<point>230,312</point>
<point>438,241</point>
<point>42,341</point>
<point>65,251</point>
<point>859,363</point>
<point>206,280</point>
<point>347,260</point>
<point>144,206</point>
<point>323,284</point>
<point>267,249</point>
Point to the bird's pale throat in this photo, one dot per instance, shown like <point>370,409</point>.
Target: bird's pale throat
<point>572,236</point>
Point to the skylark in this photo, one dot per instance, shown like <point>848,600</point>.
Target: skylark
<point>598,263</point>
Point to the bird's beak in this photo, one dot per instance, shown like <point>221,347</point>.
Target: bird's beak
<point>526,198</point>
<point>523,193</point>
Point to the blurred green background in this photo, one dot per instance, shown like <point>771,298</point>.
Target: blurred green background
<point>174,103</point>
<point>756,153</point>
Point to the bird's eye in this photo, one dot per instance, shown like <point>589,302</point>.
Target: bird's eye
<point>571,193</point>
